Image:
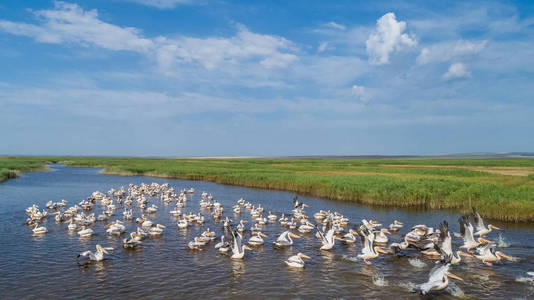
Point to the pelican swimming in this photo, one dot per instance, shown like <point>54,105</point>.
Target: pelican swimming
<point>437,280</point>
<point>223,246</point>
<point>196,244</point>
<point>381,237</point>
<point>133,241</point>
<point>481,229</point>
<point>285,239</point>
<point>98,255</point>
<point>444,245</point>
<point>72,225</point>
<point>156,230</point>
<point>238,249</point>
<point>256,239</point>
<point>296,261</point>
<point>115,228</point>
<point>368,251</point>
<point>466,230</point>
<point>85,232</point>
<point>38,230</point>
<point>488,255</point>
<point>327,237</point>
<point>395,226</point>
<point>350,237</point>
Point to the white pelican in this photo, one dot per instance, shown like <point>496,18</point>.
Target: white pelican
<point>156,230</point>
<point>98,255</point>
<point>306,227</point>
<point>72,226</point>
<point>444,245</point>
<point>285,239</point>
<point>395,226</point>
<point>368,251</point>
<point>381,237</point>
<point>481,229</point>
<point>227,222</point>
<point>256,239</point>
<point>241,226</point>
<point>272,217</point>
<point>327,238</point>
<point>182,223</point>
<point>466,230</point>
<point>115,228</point>
<point>238,249</point>
<point>223,246</point>
<point>350,237</point>
<point>196,243</point>
<point>37,230</point>
<point>296,261</point>
<point>487,254</point>
<point>438,279</point>
<point>133,241</point>
<point>85,232</point>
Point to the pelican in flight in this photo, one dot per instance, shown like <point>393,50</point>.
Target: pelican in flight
<point>466,230</point>
<point>437,280</point>
<point>98,255</point>
<point>285,239</point>
<point>488,255</point>
<point>327,237</point>
<point>38,230</point>
<point>296,261</point>
<point>238,249</point>
<point>444,245</point>
<point>481,229</point>
<point>368,251</point>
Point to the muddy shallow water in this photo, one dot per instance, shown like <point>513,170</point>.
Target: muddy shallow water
<point>46,267</point>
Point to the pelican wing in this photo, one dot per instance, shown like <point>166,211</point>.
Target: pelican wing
<point>479,223</point>
<point>435,279</point>
<point>295,201</point>
<point>444,245</point>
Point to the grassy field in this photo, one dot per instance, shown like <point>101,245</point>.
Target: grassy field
<point>501,189</point>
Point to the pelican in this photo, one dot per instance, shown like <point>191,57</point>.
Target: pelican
<point>256,239</point>
<point>72,226</point>
<point>223,246</point>
<point>85,232</point>
<point>487,254</point>
<point>395,226</point>
<point>182,223</point>
<point>481,229</point>
<point>115,228</point>
<point>133,241</point>
<point>98,255</point>
<point>327,237</point>
<point>196,243</point>
<point>272,217</point>
<point>241,226</point>
<point>349,238</point>
<point>227,222</point>
<point>238,249</point>
<point>156,230</point>
<point>444,245</point>
<point>438,279</point>
<point>306,227</point>
<point>368,251</point>
<point>39,230</point>
<point>296,261</point>
<point>285,239</point>
<point>380,236</point>
<point>466,230</point>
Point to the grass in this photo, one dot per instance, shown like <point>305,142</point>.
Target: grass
<point>424,183</point>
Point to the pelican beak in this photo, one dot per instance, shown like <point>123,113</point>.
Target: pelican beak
<point>380,250</point>
<point>398,223</point>
<point>244,221</point>
<point>411,240</point>
<point>464,254</point>
<point>503,255</point>
<point>338,238</point>
<point>160,226</point>
<point>136,235</point>
<point>109,225</point>
<point>454,276</point>
<point>305,256</point>
<point>484,240</point>
<point>305,205</point>
<point>372,221</point>
<point>386,231</point>
<point>263,235</point>
<point>294,235</point>
<point>494,227</point>
<point>246,248</point>
<point>104,250</point>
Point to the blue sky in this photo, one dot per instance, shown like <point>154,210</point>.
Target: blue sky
<point>196,78</point>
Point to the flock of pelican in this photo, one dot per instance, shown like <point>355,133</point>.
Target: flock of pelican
<point>328,226</point>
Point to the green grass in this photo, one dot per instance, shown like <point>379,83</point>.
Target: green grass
<point>423,183</point>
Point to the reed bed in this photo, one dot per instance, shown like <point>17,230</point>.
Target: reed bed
<point>422,183</point>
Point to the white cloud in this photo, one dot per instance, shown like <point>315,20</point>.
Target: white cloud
<point>361,93</point>
<point>322,47</point>
<point>443,52</point>
<point>335,25</point>
<point>388,37</point>
<point>456,70</point>
<point>162,4</point>
<point>69,23</point>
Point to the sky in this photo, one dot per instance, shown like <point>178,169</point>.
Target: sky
<point>266,78</point>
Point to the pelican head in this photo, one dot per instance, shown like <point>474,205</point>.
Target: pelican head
<point>293,235</point>
<point>380,250</point>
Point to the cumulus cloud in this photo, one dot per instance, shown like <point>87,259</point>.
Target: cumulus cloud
<point>387,38</point>
<point>456,70</point>
<point>69,23</point>
<point>361,93</point>
<point>446,51</point>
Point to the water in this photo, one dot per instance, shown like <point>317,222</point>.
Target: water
<point>46,267</point>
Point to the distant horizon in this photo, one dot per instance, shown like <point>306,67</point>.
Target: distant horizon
<point>266,78</point>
